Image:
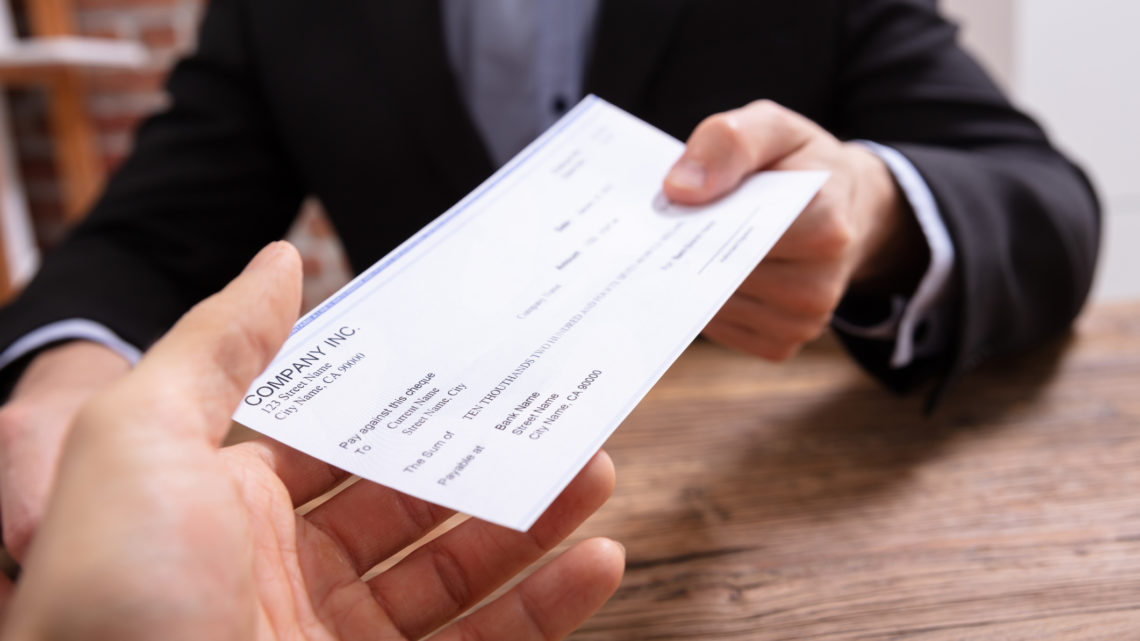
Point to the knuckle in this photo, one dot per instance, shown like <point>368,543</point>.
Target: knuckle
<point>778,116</point>
<point>835,292</point>
<point>826,299</point>
<point>17,538</point>
<point>723,129</point>
<point>452,577</point>
<point>420,516</point>
<point>14,418</point>
<point>91,411</point>
<point>834,235</point>
<point>723,142</point>
<point>781,353</point>
<point>815,304</point>
<point>793,335</point>
<point>28,422</point>
<point>812,330</point>
<point>468,630</point>
<point>817,300</point>
<point>18,531</point>
<point>767,108</point>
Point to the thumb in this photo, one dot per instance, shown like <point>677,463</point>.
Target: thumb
<point>727,147</point>
<point>189,383</point>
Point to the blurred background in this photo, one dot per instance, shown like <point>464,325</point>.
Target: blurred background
<point>1070,64</point>
<point>116,88</point>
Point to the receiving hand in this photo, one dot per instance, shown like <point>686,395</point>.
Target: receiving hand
<point>856,233</point>
<point>154,533</point>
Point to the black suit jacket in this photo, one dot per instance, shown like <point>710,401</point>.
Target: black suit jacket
<point>353,101</point>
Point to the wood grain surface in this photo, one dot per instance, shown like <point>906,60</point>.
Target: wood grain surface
<point>801,501</point>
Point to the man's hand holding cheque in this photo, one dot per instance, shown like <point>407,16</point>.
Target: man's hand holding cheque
<point>857,234</point>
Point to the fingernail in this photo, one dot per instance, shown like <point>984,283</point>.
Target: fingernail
<point>688,174</point>
<point>265,257</point>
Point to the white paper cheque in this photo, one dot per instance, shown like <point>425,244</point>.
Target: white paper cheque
<point>485,360</point>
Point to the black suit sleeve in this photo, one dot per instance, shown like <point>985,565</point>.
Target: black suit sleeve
<point>205,188</point>
<point>1024,220</point>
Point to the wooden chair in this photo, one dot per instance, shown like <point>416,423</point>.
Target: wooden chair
<point>52,59</point>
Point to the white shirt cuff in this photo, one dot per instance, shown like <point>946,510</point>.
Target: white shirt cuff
<point>907,317</point>
<point>65,330</point>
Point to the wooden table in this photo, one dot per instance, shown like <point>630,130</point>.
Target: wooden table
<point>800,501</point>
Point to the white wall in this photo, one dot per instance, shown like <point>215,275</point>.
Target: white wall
<point>1072,64</point>
<point>987,30</point>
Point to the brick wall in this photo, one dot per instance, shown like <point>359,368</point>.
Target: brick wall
<point>119,100</point>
